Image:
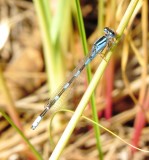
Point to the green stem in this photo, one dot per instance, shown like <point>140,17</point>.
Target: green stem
<point>22,135</point>
<point>89,75</point>
<point>44,23</point>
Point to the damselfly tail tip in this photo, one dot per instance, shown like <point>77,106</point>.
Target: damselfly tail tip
<point>36,122</point>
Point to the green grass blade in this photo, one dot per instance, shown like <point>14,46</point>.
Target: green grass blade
<point>38,156</point>
<point>44,23</point>
<point>93,104</point>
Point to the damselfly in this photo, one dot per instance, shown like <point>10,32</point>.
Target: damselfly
<point>97,48</point>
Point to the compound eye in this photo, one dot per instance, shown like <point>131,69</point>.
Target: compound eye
<point>112,34</point>
<point>106,30</point>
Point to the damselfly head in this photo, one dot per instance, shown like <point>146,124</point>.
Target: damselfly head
<point>109,33</point>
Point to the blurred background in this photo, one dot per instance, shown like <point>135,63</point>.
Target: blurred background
<point>40,46</point>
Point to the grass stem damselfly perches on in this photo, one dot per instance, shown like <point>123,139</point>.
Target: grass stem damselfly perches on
<point>97,48</point>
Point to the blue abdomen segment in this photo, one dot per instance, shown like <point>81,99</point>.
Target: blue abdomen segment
<point>87,61</point>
